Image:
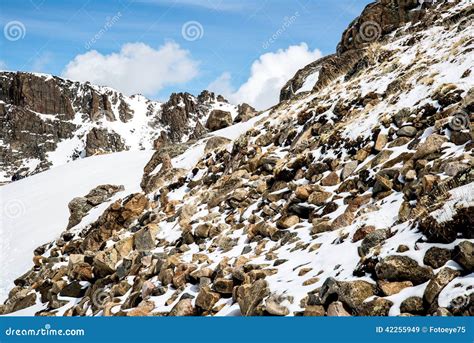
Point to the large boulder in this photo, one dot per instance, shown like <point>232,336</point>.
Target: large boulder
<point>377,20</point>
<point>402,268</point>
<point>250,297</point>
<point>218,120</point>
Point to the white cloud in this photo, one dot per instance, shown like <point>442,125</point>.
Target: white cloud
<point>137,68</point>
<point>3,65</point>
<point>268,75</point>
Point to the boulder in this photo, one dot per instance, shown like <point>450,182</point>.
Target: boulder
<point>437,257</point>
<point>336,309</point>
<point>274,307</point>
<point>402,268</point>
<point>464,255</point>
<point>245,112</point>
<point>436,285</point>
<point>376,308</point>
<point>184,308</point>
<point>351,293</point>
<point>432,145</point>
<point>250,297</point>
<point>206,298</point>
<point>348,169</point>
<point>215,143</point>
<point>218,120</point>
<point>372,240</point>
<point>145,239</point>
<point>407,131</point>
<point>412,305</point>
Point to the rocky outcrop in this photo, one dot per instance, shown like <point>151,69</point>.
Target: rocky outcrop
<point>101,141</point>
<point>79,207</point>
<point>39,112</point>
<point>376,22</point>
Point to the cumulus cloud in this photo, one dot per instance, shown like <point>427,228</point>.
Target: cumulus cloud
<point>136,68</point>
<point>267,76</point>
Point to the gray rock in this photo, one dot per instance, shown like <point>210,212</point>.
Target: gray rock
<point>464,255</point>
<point>407,131</point>
<point>436,285</point>
<point>218,120</point>
<point>402,268</point>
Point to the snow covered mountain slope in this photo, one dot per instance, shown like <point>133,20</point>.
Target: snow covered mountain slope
<point>47,121</point>
<point>35,211</point>
<point>353,198</point>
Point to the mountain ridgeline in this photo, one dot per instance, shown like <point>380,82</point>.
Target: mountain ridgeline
<point>353,196</point>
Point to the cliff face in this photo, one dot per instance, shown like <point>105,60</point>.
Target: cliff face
<point>48,121</point>
<point>352,198</point>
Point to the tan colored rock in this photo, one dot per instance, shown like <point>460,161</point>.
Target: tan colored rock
<point>331,180</point>
<point>432,144</point>
<point>287,222</point>
<point>250,297</point>
<point>336,309</point>
<point>184,308</point>
<point>319,198</point>
<point>206,298</point>
<point>216,142</point>
<point>381,142</point>
<point>391,288</point>
<point>314,311</point>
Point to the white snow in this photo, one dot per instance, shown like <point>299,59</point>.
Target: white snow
<point>309,83</point>
<point>34,210</point>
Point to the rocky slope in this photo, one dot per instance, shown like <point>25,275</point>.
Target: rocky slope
<point>353,198</point>
<point>48,121</point>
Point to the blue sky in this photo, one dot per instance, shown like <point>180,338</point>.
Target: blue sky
<point>234,35</point>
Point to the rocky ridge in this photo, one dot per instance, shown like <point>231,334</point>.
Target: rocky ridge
<point>356,198</point>
<point>48,121</point>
